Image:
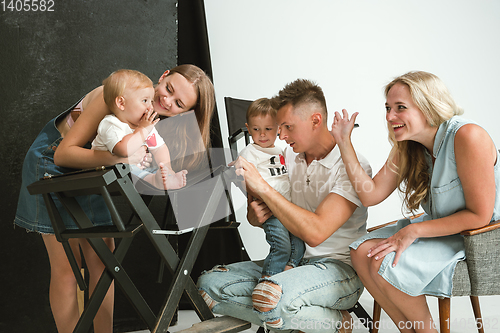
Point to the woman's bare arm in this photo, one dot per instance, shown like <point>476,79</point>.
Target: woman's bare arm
<point>71,153</point>
<point>370,191</point>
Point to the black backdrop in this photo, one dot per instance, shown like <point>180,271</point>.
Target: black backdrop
<point>47,61</point>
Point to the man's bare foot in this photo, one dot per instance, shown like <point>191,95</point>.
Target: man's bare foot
<point>172,181</point>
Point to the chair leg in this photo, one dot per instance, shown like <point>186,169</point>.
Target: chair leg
<point>444,314</point>
<point>477,313</point>
<point>377,310</point>
<point>362,315</point>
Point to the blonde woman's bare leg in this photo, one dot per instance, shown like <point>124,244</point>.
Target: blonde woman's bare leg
<point>103,321</point>
<point>410,314</point>
<point>62,292</point>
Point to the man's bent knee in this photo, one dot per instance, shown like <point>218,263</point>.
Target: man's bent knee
<point>209,300</point>
<point>205,282</point>
<point>266,296</point>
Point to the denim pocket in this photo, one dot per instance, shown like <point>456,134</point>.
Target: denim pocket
<point>443,195</point>
<point>348,301</point>
<point>46,161</point>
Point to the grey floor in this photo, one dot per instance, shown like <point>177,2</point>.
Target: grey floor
<point>462,318</point>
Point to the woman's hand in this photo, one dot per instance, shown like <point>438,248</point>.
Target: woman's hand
<point>138,157</point>
<point>257,212</point>
<point>342,126</point>
<point>398,243</point>
<point>147,160</point>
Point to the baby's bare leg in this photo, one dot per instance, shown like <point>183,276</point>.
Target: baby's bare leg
<point>153,180</point>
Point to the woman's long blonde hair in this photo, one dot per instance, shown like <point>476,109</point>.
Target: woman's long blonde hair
<point>187,152</point>
<point>434,100</point>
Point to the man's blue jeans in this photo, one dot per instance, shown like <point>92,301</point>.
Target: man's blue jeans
<point>285,248</point>
<point>311,298</point>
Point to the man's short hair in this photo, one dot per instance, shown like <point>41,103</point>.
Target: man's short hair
<point>301,91</point>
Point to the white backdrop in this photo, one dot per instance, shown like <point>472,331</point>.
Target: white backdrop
<point>352,49</point>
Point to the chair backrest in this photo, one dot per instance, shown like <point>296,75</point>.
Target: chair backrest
<point>254,239</point>
<point>236,110</point>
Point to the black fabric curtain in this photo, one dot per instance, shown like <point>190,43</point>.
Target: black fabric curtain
<point>193,47</point>
<point>48,60</point>
<point>222,246</point>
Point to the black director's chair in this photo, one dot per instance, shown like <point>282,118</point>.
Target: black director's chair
<point>116,180</point>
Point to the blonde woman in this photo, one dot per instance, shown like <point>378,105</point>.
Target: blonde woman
<point>439,161</point>
<point>63,145</point>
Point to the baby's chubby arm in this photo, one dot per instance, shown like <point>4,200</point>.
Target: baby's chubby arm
<point>130,143</point>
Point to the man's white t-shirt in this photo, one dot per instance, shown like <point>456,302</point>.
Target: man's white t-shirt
<point>310,184</point>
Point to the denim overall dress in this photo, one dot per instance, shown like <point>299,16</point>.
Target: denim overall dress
<point>39,161</point>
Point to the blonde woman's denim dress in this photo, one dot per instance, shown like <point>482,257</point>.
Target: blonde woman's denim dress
<point>39,162</point>
<point>426,267</point>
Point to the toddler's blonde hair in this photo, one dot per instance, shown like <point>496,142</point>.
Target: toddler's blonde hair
<point>116,83</point>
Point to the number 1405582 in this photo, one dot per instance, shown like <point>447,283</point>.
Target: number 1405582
<point>27,5</point>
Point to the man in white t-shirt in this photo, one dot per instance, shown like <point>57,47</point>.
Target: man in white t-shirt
<point>324,212</point>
